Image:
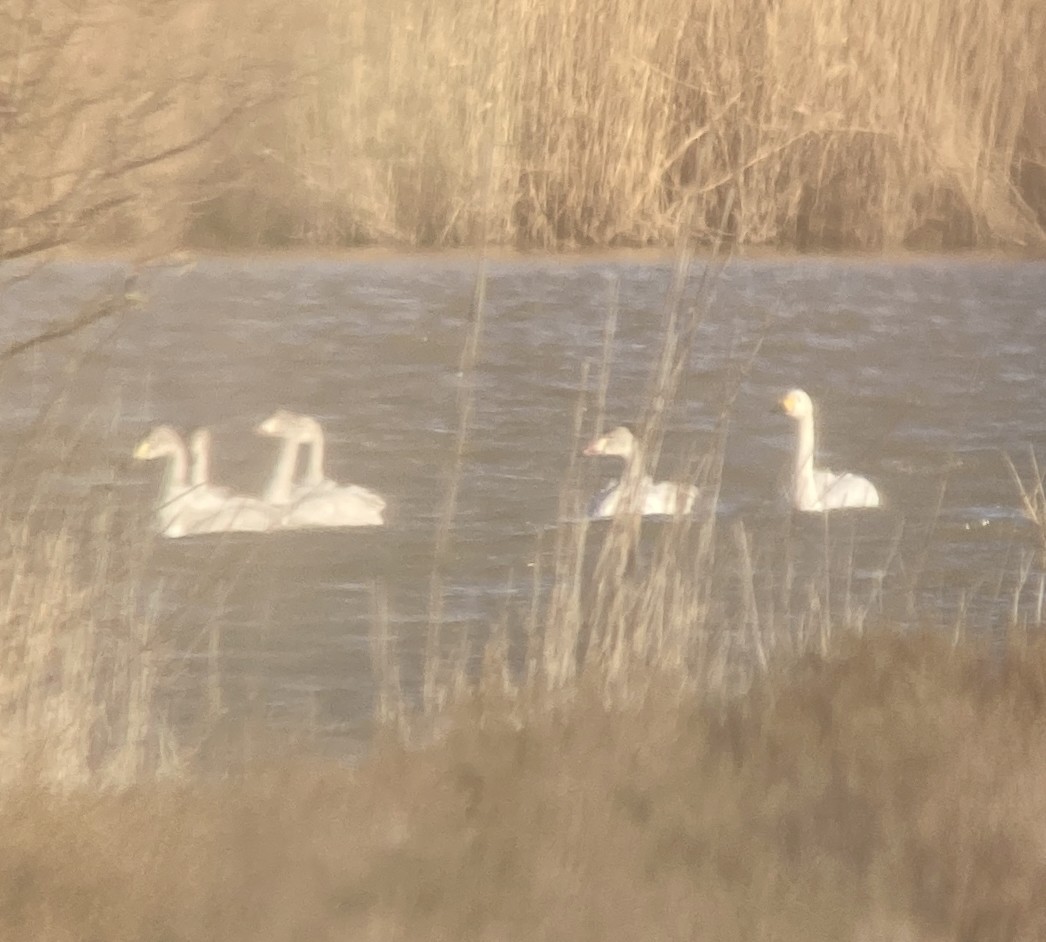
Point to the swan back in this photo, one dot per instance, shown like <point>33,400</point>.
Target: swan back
<point>234,514</point>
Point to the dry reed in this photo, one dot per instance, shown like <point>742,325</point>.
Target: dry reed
<point>79,661</point>
<point>866,126</point>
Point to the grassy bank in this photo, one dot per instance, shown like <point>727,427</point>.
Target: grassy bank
<point>891,789</point>
<point>866,126</point>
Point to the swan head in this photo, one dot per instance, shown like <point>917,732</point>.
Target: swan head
<point>277,425</point>
<point>619,442</point>
<point>284,424</point>
<point>160,442</point>
<point>796,403</point>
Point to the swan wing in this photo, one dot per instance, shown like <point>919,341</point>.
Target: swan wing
<point>350,506</point>
<point>208,496</point>
<point>666,497</point>
<point>604,504</point>
<point>241,515</point>
<point>607,502</point>
<point>663,498</point>
<point>190,516</point>
<point>301,492</point>
<point>353,492</point>
<point>840,491</point>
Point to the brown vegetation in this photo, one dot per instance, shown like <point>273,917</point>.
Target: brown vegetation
<point>862,126</point>
<point>889,790</point>
<point>78,658</point>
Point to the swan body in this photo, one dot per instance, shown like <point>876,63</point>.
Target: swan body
<point>661,498</point>
<point>315,500</point>
<point>816,489</point>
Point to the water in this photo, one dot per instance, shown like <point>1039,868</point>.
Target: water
<point>924,374</point>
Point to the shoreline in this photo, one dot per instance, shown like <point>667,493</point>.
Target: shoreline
<point>645,256</point>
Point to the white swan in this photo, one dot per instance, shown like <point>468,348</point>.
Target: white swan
<point>315,501</point>
<point>173,510</point>
<point>229,512</point>
<point>650,498</point>
<point>813,489</point>
<point>200,470</point>
<point>185,509</point>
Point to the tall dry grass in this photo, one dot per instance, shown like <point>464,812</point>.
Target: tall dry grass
<point>79,660</point>
<point>871,125</point>
<point>861,126</point>
<point>890,789</point>
<point>80,657</point>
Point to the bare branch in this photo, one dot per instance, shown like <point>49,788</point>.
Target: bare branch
<point>104,308</point>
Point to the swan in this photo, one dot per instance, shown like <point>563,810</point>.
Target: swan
<point>190,507</point>
<point>173,512</point>
<point>814,489</point>
<point>229,512</point>
<point>661,498</point>
<point>315,501</point>
<point>200,470</point>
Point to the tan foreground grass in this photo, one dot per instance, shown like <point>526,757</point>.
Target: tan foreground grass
<point>892,789</point>
<point>78,662</point>
<point>868,126</point>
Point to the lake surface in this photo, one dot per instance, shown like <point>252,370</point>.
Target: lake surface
<point>924,374</point>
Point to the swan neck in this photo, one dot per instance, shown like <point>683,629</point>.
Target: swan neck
<point>804,451</point>
<point>200,472</point>
<point>279,489</point>
<point>633,459</point>
<point>177,470</point>
<point>633,480</point>
<point>314,472</point>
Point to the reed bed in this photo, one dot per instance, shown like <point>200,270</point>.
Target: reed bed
<point>79,661</point>
<point>868,126</point>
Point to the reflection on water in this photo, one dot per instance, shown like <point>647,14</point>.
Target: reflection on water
<point>924,375</point>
